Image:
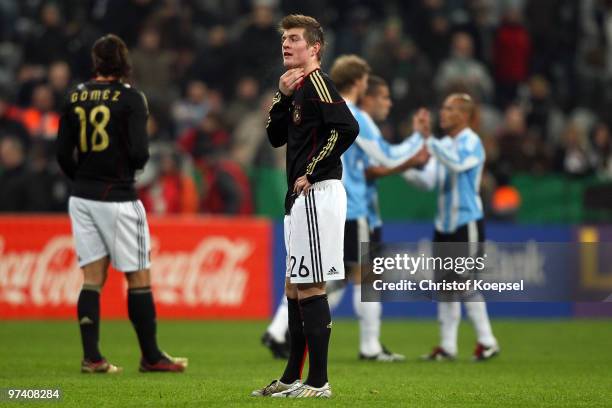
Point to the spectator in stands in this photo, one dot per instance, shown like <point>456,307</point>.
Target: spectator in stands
<point>40,119</point>
<point>10,127</point>
<point>572,156</point>
<point>156,132</point>
<point>250,146</point>
<point>380,50</point>
<point>152,67</point>
<point>226,186</point>
<point>397,59</point>
<point>59,81</point>
<point>172,190</point>
<point>511,52</point>
<point>48,40</point>
<point>353,37</point>
<point>12,175</point>
<point>555,30</point>
<point>544,118</point>
<point>256,44</point>
<point>429,25</point>
<point>45,188</point>
<point>126,18</point>
<point>511,140</point>
<point>461,69</point>
<point>245,101</point>
<point>209,137</point>
<point>190,111</point>
<point>214,65</point>
<point>601,150</point>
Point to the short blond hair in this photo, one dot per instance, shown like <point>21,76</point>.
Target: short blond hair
<point>348,69</point>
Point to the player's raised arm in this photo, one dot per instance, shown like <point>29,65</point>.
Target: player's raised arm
<point>375,150</point>
<point>278,118</point>
<point>138,144</point>
<point>457,160</point>
<point>343,128</point>
<point>376,103</point>
<point>423,178</point>
<point>416,160</point>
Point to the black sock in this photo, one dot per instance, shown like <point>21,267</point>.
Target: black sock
<point>88,312</point>
<point>141,310</point>
<point>297,355</point>
<point>317,330</point>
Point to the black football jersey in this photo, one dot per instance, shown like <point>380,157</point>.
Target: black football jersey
<point>103,140</point>
<point>317,126</point>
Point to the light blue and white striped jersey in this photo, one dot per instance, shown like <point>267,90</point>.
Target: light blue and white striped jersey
<point>404,150</point>
<point>454,170</point>
<point>353,172</point>
<point>369,147</point>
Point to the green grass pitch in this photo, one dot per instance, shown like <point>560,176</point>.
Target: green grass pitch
<point>555,363</point>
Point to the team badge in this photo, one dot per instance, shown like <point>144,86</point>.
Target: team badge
<point>297,114</point>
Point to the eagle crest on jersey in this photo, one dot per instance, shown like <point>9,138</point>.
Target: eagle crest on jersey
<point>297,114</point>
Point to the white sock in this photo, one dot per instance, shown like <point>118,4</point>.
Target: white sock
<point>369,323</point>
<point>280,323</point>
<point>335,296</point>
<point>449,316</point>
<point>476,310</point>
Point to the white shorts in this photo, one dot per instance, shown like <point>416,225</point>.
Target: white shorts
<point>117,229</point>
<point>314,234</point>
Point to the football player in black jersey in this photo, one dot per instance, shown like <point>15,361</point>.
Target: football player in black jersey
<point>312,119</point>
<point>104,122</point>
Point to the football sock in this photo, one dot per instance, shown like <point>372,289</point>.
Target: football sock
<point>280,322</point>
<point>88,312</point>
<point>317,330</point>
<point>449,317</point>
<point>476,310</point>
<point>297,354</point>
<point>141,310</point>
<point>369,323</point>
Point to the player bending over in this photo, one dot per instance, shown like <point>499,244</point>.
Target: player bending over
<point>105,121</point>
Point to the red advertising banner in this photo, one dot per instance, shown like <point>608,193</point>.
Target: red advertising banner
<point>201,268</point>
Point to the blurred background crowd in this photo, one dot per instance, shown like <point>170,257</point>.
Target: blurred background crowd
<point>541,70</point>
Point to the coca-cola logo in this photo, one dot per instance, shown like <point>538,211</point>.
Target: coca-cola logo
<point>47,277</point>
<point>213,273</point>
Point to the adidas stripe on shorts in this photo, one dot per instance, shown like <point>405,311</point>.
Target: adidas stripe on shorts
<point>314,234</point>
<point>117,229</point>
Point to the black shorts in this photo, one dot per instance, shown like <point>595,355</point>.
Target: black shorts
<point>472,234</point>
<point>355,232</point>
<point>375,242</point>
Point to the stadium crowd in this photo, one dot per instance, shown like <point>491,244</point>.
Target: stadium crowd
<point>540,69</point>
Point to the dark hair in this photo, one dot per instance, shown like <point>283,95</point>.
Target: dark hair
<point>110,57</point>
<point>313,32</point>
<point>348,69</point>
<point>374,84</point>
